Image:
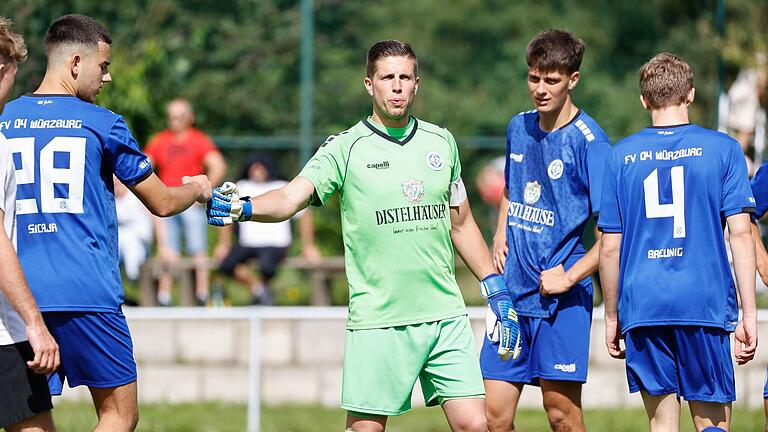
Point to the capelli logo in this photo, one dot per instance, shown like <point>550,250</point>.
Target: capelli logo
<point>665,132</point>
<point>44,102</point>
<point>378,166</point>
<point>568,368</point>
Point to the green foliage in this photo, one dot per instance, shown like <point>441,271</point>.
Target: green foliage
<point>237,61</point>
<point>745,31</point>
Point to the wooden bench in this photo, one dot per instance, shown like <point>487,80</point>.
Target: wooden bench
<point>320,274</point>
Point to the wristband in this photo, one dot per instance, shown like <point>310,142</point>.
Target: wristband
<point>247,209</point>
<point>492,285</point>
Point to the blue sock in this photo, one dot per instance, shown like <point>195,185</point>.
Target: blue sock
<point>713,429</point>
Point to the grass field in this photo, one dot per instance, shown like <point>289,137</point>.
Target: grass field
<point>212,417</point>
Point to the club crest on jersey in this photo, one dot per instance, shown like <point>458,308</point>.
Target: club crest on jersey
<point>435,161</point>
<point>532,192</point>
<point>413,190</point>
<point>555,169</point>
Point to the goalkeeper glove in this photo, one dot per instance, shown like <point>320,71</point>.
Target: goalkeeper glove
<point>226,207</point>
<point>502,325</point>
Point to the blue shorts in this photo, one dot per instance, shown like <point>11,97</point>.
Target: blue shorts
<point>554,348</point>
<point>693,362</point>
<point>765,389</point>
<point>194,224</point>
<point>95,347</point>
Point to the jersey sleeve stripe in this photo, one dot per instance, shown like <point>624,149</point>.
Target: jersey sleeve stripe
<point>609,229</point>
<point>737,210</point>
<point>143,176</point>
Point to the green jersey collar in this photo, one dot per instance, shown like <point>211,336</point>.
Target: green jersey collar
<point>399,136</point>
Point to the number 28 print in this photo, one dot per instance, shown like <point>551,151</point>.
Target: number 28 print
<point>72,176</point>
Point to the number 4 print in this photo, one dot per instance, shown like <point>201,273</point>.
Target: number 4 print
<point>675,209</point>
<point>50,175</point>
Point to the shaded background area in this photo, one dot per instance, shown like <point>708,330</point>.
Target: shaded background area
<point>237,60</point>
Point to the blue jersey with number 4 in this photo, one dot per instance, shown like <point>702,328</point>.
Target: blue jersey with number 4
<point>554,181</point>
<point>65,151</point>
<point>668,191</point>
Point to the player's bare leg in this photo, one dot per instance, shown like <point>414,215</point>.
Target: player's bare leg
<point>202,275</point>
<point>169,259</point>
<point>164,284</point>
<point>466,415</point>
<point>42,422</point>
<point>663,412</point>
<point>117,408</point>
<point>706,414</point>
<point>245,275</point>
<point>366,423</point>
<point>501,404</point>
<point>562,401</point>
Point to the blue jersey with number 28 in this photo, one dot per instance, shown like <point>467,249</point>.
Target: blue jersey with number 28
<point>668,191</point>
<point>65,151</point>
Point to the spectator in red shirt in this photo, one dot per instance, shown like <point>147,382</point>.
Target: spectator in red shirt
<point>183,150</point>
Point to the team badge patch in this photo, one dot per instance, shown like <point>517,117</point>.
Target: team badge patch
<point>435,161</point>
<point>555,169</point>
<point>413,190</point>
<point>532,192</point>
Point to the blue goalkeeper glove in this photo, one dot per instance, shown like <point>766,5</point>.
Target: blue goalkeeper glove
<point>226,207</point>
<point>502,321</point>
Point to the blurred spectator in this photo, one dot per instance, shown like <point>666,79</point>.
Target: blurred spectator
<point>183,150</point>
<point>746,98</point>
<point>134,230</point>
<point>266,242</point>
<point>490,182</point>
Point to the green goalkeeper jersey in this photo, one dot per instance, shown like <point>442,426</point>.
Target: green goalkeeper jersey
<point>395,211</point>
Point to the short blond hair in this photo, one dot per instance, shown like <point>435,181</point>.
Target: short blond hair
<point>11,44</point>
<point>665,80</point>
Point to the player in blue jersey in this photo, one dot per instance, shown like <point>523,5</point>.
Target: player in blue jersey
<point>667,284</point>
<point>27,349</point>
<point>555,156</point>
<point>65,151</point>
<point>760,192</point>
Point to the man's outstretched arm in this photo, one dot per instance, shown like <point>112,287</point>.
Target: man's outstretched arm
<point>226,207</point>
<point>163,201</point>
<point>14,287</point>
<point>281,204</point>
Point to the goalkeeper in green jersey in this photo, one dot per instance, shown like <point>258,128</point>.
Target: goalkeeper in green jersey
<point>404,209</point>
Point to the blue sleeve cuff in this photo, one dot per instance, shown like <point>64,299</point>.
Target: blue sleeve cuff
<point>737,210</point>
<point>138,179</point>
<point>609,229</point>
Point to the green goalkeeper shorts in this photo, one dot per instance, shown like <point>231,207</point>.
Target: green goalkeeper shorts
<point>381,366</point>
